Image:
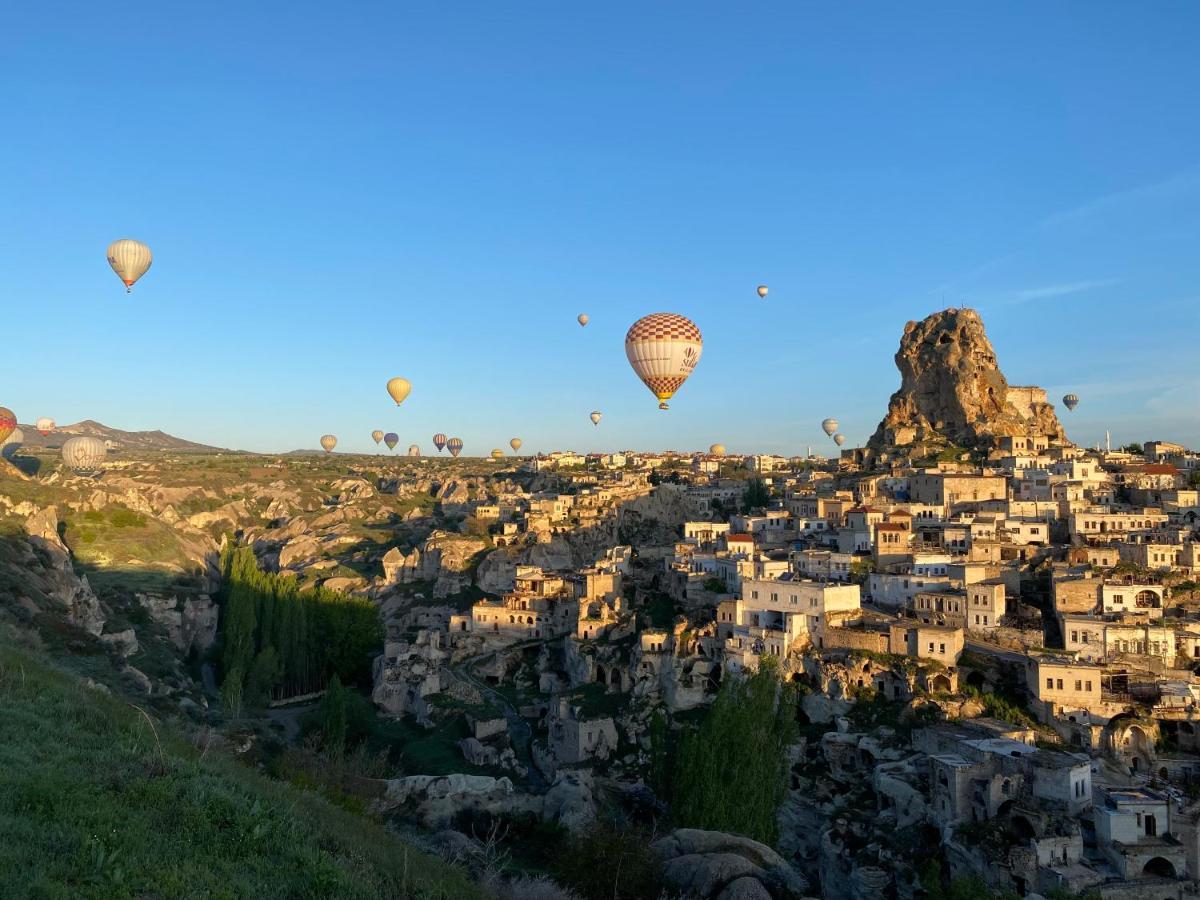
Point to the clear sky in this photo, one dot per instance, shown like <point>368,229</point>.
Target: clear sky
<point>336,193</point>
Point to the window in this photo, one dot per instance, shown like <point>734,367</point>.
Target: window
<point>1074,637</point>
<point>1078,685</point>
<point>1050,683</point>
<point>1060,687</point>
<point>1088,684</point>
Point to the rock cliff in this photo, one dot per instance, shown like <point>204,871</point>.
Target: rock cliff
<point>952,389</point>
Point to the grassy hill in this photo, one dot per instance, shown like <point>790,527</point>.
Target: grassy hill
<point>98,800</point>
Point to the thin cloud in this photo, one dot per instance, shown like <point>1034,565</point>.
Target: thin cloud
<point>1168,188</point>
<point>1062,290</point>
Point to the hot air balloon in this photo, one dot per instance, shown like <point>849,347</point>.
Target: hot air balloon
<point>130,260</point>
<point>583,319</point>
<point>414,450</point>
<point>454,445</point>
<point>84,454</point>
<point>439,441</point>
<point>1070,401</point>
<point>839,439</point>
<point>377,435</point>
<point>830,426</point>
<point>391,439</point>
<point>399,388</point>
<point>8,421</point>
<point>497,453</point>
<point>11,444</point>
<point>596,416</point>
<point>328,442</point>
<point>44,425</point>
<point>762,290</point>
<point>717,449</point>
<point>515,443</point>
<point>663,349</point>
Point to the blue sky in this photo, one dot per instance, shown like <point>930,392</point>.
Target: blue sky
<point>339,193</point>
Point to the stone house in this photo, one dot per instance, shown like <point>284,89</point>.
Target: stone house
<point>1133,831</point>
<point>573,739</point>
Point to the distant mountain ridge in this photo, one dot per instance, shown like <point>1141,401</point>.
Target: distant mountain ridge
<point>122,440</point>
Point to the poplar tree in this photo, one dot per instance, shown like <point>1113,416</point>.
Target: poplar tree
<point>732,772</point>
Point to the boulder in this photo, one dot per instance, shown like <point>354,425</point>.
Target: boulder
<point>298,550</point>
<point>707,865</point>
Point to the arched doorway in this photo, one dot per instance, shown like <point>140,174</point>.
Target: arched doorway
<point>940,684</point>
<point>1021,828</point>
<point>601,675</point>
<point>976,680</point>
<point>1159,867</point>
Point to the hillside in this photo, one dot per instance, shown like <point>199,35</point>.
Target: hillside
<point>122,440</point>
<point>98,800</point>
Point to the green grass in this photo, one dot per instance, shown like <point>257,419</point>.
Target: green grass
<point>91,806</point>
<point>425,751</point>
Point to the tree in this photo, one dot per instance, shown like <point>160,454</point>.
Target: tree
<point>757,495</point>
<point>661,750</point>
<point>231,692</point>
<point>1135,449</point>
<point>335,717</point>
<point>732,772</point>
<point>264,676</point>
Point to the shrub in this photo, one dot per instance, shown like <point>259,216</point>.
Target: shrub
<point>126,518</point>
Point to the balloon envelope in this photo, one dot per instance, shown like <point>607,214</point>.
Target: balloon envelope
<point>497,453</point>
<point>839,439</point>
<point>515,443</point>
<point>1070,401</point>
<point>439,441</point>
<point>44,425</point>
<point>830,426</point>
<point>414,450</point>
<point>84,454</point>
<point>377,435</point>
<point>762,290</point>
<point>328,442</point>
<point>596,417</point>
<point>8,421</point>
<point>717,449</point>
<point>130,259</point>
<point>11,444</point>
<point>391,439</point>
<point>399,388</point>
<point>582,319</point>
<point>454,445</point>
<point>663,349</point>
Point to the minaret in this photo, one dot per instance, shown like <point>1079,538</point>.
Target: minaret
<point>1108,441</point>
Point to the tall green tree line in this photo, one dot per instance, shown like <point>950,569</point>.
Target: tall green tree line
<point>276,634</point>
<point>731,773</point>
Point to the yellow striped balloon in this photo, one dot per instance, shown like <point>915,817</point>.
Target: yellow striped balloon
<point>130,259</point>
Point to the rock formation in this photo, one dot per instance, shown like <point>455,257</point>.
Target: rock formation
<point>952,389</point>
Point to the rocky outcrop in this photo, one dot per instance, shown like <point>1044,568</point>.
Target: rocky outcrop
<point>712,865</point>
<point>191,622</point>
<point>57,579</point>
<point>952,389</point>
<point>435,800</point>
